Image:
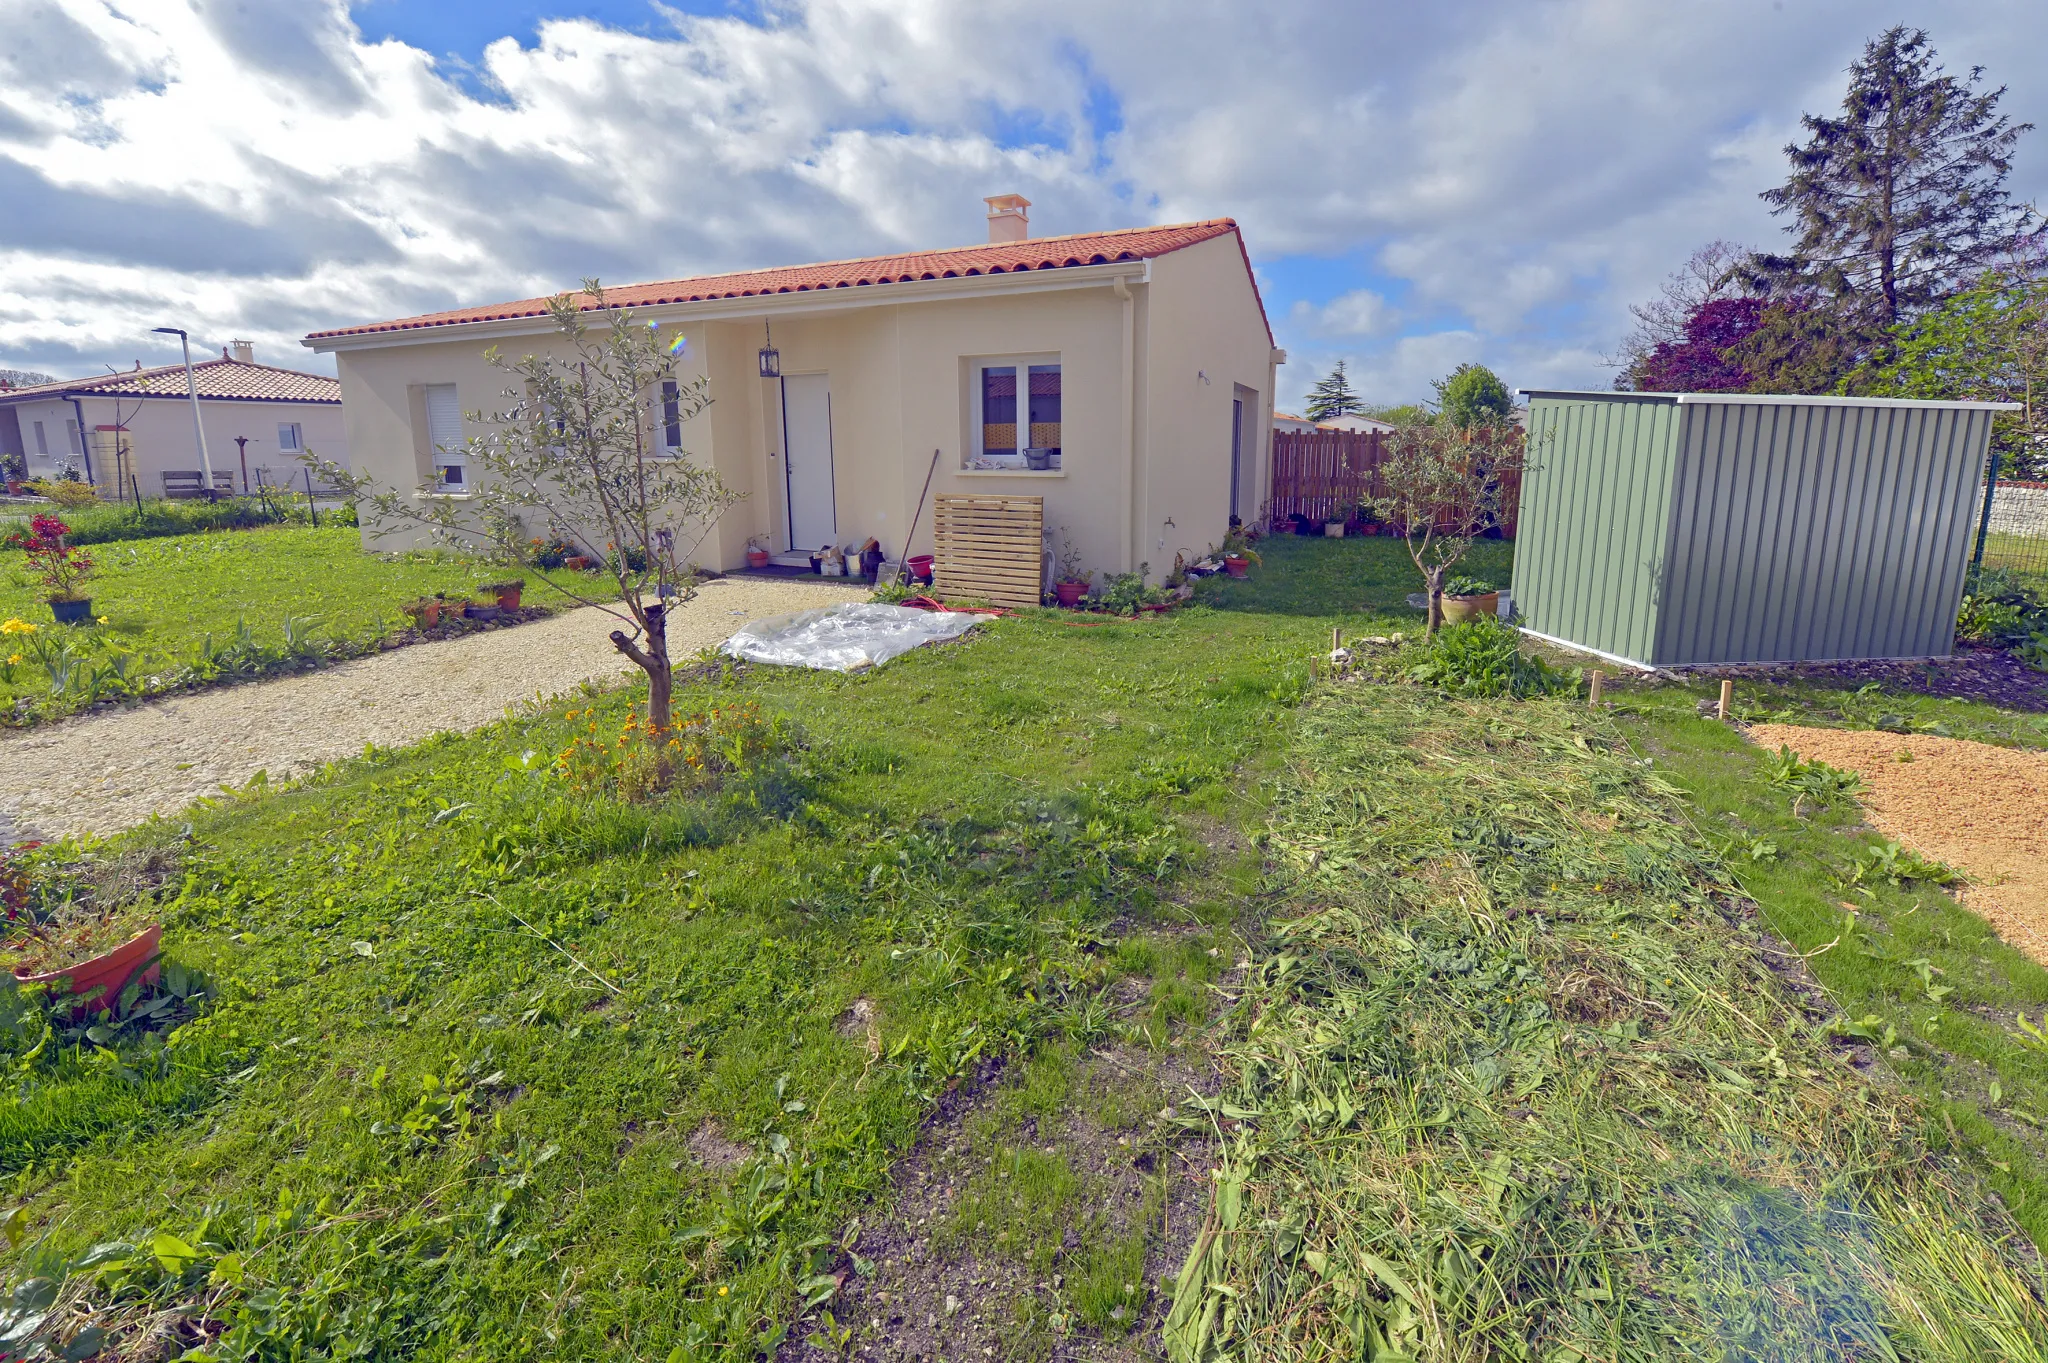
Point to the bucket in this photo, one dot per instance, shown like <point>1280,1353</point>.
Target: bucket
<point>920,566</point>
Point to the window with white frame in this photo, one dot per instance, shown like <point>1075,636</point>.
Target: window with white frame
<point>1015,406</point>
<point>671,417</point>
<point>289,437</point>
<point>444,438</point>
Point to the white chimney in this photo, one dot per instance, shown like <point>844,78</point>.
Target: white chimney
<point>1008,218</point>
<point>245,351</point>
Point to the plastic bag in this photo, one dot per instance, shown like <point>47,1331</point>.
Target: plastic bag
<point>845,638</point>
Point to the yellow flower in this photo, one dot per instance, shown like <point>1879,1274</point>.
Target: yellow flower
<point>14,660</point>
<point>14,626</point>
<point>103,619</point>
<point>723,1290</point>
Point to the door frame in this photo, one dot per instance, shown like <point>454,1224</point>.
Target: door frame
<point>788,467</point>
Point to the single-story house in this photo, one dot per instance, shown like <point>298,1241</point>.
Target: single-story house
<point>1124,376</point>
<point>124,431</point>
<point>1353,422</point>
<point>1291,424</point>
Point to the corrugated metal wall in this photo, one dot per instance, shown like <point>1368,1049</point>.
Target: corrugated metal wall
<point>1817,532</point>
<point>1589,554</point>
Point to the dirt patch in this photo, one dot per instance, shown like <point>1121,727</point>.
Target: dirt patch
<point>1992,675</point>
<point>712,1150</point>
<point>1981,809</point>
<point>940,1284</point>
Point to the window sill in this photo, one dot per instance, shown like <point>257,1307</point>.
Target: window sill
<point>1011,473</point>
<point>442,496</point>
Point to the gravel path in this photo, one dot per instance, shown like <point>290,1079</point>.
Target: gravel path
<point>106,772</point>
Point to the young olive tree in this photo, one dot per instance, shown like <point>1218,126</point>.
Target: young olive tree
<point>575,455</point>
<point>1444,486</point>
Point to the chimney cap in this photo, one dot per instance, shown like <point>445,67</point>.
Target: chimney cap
<point>1007,220</point>
<point>245,352</point>
<point>1007,203</point>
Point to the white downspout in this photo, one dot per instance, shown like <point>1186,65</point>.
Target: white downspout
<point>1123,292</point>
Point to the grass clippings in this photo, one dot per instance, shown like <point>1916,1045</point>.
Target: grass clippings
<point>1978,808</point>
<point>1515,1081</point>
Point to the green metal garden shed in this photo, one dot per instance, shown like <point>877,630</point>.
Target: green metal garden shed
<point>1675,529</point>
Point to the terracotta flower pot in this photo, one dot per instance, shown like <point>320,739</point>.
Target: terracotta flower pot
<point>1458,609</point>
<point>1070,593</point>
<point>576,563</point>
<point>102,978</point>
<point>430,615</point>
<point>757,558</point>
<point>1235,566</point>
<point>508,598</point>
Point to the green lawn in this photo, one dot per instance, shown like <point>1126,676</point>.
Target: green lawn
<point>197,608</point>
<point>486,1067</point>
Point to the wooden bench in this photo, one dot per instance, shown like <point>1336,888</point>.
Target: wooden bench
<point>183,485</point>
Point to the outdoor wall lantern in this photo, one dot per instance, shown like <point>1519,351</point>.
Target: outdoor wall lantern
<point>771,358</point>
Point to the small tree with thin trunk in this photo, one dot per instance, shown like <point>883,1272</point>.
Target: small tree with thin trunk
<point>577,455</point>
<point>1443,486</point>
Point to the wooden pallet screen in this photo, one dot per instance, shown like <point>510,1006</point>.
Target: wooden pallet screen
<point>991,548</point>
<point>1327,475</point>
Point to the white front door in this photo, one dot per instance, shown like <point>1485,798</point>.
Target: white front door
<point>807,460</point>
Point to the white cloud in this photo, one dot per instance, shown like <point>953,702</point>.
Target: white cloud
<point>1520,171</point>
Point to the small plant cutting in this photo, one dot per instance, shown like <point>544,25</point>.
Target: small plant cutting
<point>575,450</point>
<point>1071,584</point>
<point>60,569</point>
<point>1444,484</point>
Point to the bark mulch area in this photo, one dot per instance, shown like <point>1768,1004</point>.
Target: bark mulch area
<point>1992,675</point>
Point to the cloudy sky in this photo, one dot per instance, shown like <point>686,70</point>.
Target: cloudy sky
<point>1419,184</point>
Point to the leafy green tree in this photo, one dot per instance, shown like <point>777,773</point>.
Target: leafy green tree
<point>1798,348</point>
<point>1332,396</point>
<point>1443,485</point>
<point>1473,395</point>
<point>574,454</point>
<point>1989,342</point>
<point>1399,413</point>
<point>1903,196</point>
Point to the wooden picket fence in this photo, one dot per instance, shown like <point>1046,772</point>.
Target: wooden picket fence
<point>1328,475</point>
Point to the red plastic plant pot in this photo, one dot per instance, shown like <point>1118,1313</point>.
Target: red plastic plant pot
<point>920,566</point>
<point>102,978</point>
<point>1237,567</point>
<point>757,558</point>
<point>1070,593</point>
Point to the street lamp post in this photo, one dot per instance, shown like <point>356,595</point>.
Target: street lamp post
<point>198,427</point>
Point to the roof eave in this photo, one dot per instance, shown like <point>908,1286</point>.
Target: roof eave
<point>823,300</point>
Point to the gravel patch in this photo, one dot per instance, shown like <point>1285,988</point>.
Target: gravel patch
<point>1981,809</point>
<point>111,770</point>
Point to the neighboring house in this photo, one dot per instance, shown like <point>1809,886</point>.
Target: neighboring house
<point>1288,421</point>
<point>137,425</point>
<point>1136,366</point>
<point>1356,423</point>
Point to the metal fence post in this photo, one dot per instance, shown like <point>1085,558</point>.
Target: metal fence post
<point>1984,519</point>
<point>312,508</point>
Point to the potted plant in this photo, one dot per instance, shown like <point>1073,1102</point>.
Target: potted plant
<point>418,610</point>
<point>60,569</point>
<point>757,552</point>
<point>1333,529</point>
<point>1238,554</point>
<point>14,469</point>
<point>1070,584</point>
<point>507,592</point>
<point>76,950</point>
<point>1467,598</point>
<point>576,563</point>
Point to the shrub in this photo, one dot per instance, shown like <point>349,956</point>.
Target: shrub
<point>158,520</point>
<point>67,493</point>
<point>1484,658</point>
<point>1467,586</point>
<point>2002,609</point>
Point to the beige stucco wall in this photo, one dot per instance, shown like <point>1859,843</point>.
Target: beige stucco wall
<point>159,436</point>
<point>900,390</point>
<point>1205,337</point>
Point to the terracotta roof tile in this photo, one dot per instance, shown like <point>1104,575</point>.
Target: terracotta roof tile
<point>223,379</point>
<point>1033,253</point>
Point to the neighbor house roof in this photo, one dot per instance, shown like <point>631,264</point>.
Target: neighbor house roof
<point>1033,253</point>
<point>227,380</point>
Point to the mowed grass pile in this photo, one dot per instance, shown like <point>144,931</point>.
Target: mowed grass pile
<point>1516,1082</point>
<point>498,1070</point>
<point>194,609</point>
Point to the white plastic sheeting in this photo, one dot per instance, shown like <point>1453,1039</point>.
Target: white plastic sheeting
<point>845,638</point>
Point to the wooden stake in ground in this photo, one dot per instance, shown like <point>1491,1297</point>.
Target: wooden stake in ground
<point>1598,679</point>
<point>1727,699</point>
<point>1336,637</point>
